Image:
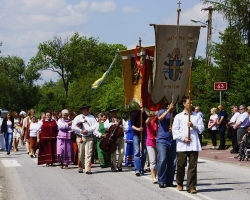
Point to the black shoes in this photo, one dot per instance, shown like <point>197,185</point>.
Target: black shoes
<point>233,151</point>
<point>166,185</point>
<point>171,185</point>
<point>88,172</point>
<point>220,148</point>
<point>113,170</point>
<point>119,169</point>
<point>162,185</point>
<point>8,153</point>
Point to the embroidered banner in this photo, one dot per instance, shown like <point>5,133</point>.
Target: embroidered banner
<point>175,45</point>
<point>145,64</point>
<point>132,76</point>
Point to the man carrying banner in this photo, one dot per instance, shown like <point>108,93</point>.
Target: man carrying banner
<point>138,119</point>
<point>187,148</point>
<point>166,148</point>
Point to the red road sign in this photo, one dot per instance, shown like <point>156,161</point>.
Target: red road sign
<point>220,86</point>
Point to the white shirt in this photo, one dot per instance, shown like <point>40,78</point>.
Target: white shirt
<point>244,118</point>
<point>25,122</point>
<point>33,129</point>
<point>9,126</point>
<point>88,122</point>
<point>234,118</point>
<point>212,120</point>
<point>180,131</point>
<point>97,124</point>
<point>124,125</point>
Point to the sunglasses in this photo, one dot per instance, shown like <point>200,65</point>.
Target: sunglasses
<point>241,109</point>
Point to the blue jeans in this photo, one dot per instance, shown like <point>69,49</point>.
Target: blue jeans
<point>166,162</point>
<point>139,157</point>
<point>8,141</point>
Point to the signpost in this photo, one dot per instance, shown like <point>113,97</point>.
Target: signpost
<point>220,86</point>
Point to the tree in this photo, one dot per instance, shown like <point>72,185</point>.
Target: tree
<point>51,97</point>
<point>64,57</point>
<point>237,12</point>
<point>16,91</point>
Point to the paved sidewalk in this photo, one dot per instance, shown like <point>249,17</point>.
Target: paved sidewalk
<point>221,156</point>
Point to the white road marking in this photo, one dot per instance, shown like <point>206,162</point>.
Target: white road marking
<point>192,196</point>
<point>10,163</point>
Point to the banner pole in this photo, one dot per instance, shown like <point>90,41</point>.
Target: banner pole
<point>189,95</point>
<point>171,114</point>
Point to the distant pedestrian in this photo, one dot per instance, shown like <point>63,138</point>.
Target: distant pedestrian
<point>2,141</point>
<point>212,126</point>
<point>65,150</point>
<point>230,124</point>
<point>7,129</point>
<point>47,141</point>
<point>197,109</point>
<point>129,153</point>
<point>32,129</point>
<point>222,122</point>
<point>241,123</point>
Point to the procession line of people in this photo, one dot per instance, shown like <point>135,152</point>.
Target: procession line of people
<point>163,135</point>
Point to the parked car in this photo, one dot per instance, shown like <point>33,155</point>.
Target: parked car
<point>3,112</point>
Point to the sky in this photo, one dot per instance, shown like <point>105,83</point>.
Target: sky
<point>24,24</point>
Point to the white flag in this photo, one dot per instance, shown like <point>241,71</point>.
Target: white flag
<point>175,48</point>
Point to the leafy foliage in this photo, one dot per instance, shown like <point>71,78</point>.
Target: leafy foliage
<point>17,86</point>
<point>237,12</point>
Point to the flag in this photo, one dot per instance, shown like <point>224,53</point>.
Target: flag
<point>175,45</point>
<point>98,82</point>
<point>132,76</point>
<point>146,66</point>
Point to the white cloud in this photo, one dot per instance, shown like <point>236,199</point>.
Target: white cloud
<point>130,9</point>
<point>105,6</point>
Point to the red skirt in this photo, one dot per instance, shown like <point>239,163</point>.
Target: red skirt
<point>33,143</point>
<point>47,152</point>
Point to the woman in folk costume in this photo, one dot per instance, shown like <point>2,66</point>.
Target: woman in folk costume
<point>64,144</point>
<point>129,154</point>
<point>27,120</point>
<point>21,118</point>
<point>47,141</point>
<point>104,158</point>
<point>73,139</point>
<point>32,129</point>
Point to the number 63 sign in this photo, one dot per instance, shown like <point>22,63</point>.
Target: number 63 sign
<point>220,86</point>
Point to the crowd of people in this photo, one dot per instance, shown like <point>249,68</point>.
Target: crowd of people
<point>236,124</point>
<point>164,138</point>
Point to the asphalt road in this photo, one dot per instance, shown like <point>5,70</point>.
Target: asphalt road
<point>21,178</point>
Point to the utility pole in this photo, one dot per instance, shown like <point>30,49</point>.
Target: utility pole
<point>209,33</point>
